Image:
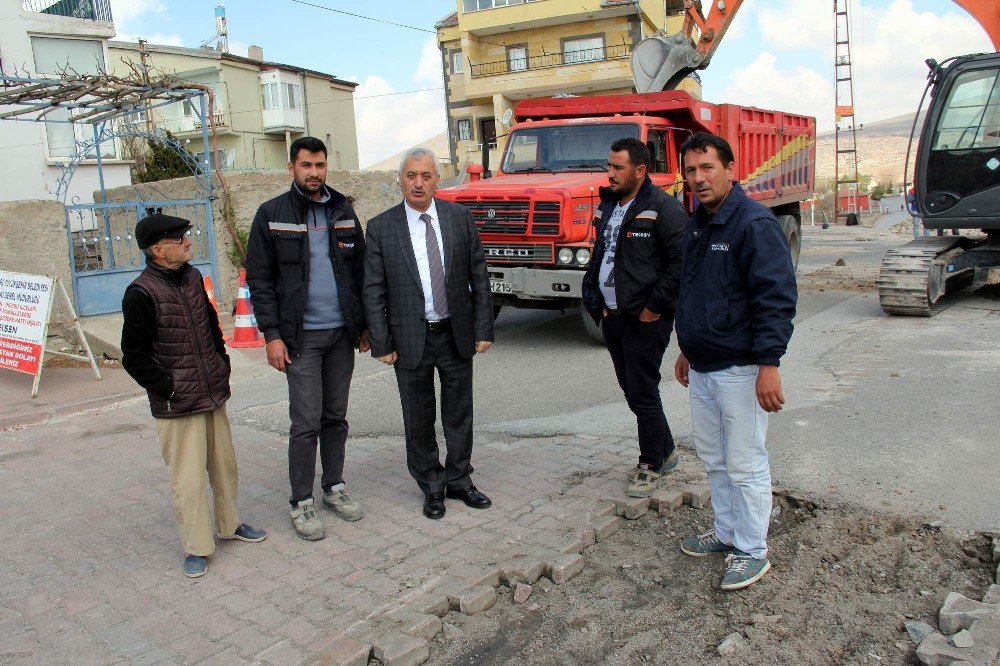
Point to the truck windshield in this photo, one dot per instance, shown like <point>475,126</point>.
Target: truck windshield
<point>563,147</point>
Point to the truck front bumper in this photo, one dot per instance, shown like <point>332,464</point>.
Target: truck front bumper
<point>536,283</point>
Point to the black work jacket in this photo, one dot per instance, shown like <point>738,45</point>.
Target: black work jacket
<point>278,264</point>
<point>647,255</point>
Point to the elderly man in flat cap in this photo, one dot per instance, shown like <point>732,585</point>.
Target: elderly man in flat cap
<point>172,346</point>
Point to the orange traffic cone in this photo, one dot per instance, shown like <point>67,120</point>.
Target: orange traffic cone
<point>210,290</point>
<point>245,333</point>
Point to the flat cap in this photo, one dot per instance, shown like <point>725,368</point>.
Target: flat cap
<point>154,228</point>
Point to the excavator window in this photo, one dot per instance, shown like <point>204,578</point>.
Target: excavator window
<point>971,115</point>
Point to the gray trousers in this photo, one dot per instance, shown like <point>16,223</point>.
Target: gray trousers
<point>319,381</point>
<point>416,393</point>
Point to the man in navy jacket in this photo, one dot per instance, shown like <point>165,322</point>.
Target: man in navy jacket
<point>734,320</point>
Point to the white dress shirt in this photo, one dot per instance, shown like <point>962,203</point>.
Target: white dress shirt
<point>418,237</point>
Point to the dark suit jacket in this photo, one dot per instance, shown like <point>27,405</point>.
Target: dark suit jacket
<point>394,298</point>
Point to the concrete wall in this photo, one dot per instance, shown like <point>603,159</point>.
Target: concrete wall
<point>373,191</point>
<point>33,239</point>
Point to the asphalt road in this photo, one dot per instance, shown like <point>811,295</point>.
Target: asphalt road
<point>889,412</point>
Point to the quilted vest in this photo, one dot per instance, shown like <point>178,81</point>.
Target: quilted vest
<point>183,343</point>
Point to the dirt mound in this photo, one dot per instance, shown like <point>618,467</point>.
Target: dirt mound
<point>843,583</point>
<point>853,278</point>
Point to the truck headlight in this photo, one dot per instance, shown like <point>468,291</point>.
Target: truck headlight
<point>565,256</point>
<point>583,256</point>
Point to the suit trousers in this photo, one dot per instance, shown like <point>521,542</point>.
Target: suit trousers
<point>416,393</point>
<point>319,382</point>
<point>199,448</point>
<point>636,350</point>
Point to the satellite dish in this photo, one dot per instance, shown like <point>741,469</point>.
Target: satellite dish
<point>505,118</point>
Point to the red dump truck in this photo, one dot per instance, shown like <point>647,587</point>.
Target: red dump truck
<point>535,213</point>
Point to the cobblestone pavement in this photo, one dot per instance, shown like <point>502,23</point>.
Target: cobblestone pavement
<point>90,563</point>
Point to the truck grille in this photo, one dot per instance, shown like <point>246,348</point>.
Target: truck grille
<point>517,253</point>
<point>511,216</point>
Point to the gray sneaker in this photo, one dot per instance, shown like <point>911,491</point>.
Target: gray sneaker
<point>742,570</point>
<point>338,501</point>
<point>644,484</point>
<point>307,525</point>
<point>669,465</point>
<point>704,545</point>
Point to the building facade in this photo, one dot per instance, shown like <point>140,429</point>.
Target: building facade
<point>497,52</point>
<point>42,39</point>
<point>260,106</point>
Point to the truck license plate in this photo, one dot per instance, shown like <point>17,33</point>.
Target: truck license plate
<point>501,287</point>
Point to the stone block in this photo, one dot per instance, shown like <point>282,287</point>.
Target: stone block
<point>574,546</point>
<point>962,639</point>
<point>588,537</point>
<point>959,613</point>
<point>477,599</point>
<point>475,576</point>
<point>631,507</point>
<point>605,509</point>
<point>565,567</point>
<point>431,603</point>
<point>918,631</point>
<point>522,571</point>
<point>412,623</point>
<point>668,500</point>
<point>605,526</point>
<point>521,593</point>
<point>731,644</point>
<point>696,496</point>
<point>935,651</point>
<point>400,650</point>
<point>341,651</point>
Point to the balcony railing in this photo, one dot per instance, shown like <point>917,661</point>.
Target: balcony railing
<point>515,65</point>
<point>94,10</point>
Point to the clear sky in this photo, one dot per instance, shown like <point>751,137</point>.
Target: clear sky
<point>777,54</point>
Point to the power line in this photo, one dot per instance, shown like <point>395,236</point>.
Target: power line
<point>360,16</point>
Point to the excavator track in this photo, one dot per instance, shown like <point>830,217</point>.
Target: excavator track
<point>912,278</point>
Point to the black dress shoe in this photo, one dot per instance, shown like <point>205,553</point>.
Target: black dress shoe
<point>472,497</point>
<point>434,506</point>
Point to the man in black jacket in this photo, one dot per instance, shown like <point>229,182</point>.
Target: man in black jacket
<point>172,346</point>
<point>305,267</point>
<point>734,321</point>
<point>630,289</point>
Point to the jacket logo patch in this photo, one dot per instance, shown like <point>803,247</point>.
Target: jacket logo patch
<point>638,234</point>
<point>347,245</point>
<point>720,247</point>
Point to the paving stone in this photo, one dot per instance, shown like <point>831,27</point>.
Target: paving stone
<point>668,500</point>
<point>605,526</point>
<point>282,653</point>
<point>588,537</point>
<point>696,496</point>
<point>412,623</point>
<point>958,612</point>
<point>476,576</point>
<point>341,651</point>
<point>573,546</point>
<point>605,508</point>
<point>962,639</point>
<point>477,599</point>
<point>918,631</point>
<point>401,650</point>
<point>432,603</point>
<point>522,571</point>
<point>521,593</point>
<point>631,507</point>
<point>565,567</point>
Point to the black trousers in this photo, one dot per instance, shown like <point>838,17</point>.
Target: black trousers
<point>636,351</point>
<point>319,381</point>
<point>416,394</point>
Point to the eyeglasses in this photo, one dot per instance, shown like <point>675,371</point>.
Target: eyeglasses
<point>176,241</point>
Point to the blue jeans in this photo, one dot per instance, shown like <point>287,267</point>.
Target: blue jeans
<point>916,227</point>
<point>729,431</point>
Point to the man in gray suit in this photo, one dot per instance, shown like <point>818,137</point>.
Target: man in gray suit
<point>428,305</point>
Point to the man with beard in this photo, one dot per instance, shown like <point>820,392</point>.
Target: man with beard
<point>305,266</point>
<point>630,290</point>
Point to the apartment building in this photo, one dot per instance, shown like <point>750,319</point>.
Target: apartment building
<point>497,52</point>
<point>41,39</point>
<point>260,106</point>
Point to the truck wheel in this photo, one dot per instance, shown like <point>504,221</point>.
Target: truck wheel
<point>793,234</point>
<point>589,325</point>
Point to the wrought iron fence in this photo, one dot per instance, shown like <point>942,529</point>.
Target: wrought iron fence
<point>95,10</point>
<point>514,65</point>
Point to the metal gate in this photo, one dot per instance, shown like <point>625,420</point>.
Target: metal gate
<point>105,258</point>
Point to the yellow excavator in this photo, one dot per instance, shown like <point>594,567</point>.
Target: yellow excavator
<point>957,172</point>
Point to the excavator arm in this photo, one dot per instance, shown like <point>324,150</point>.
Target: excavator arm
<point>987,13</point>
<point>661,62</point>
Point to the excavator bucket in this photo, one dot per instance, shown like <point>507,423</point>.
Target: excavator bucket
<point>987,13</point>
<point>661,62</point>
